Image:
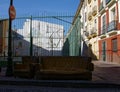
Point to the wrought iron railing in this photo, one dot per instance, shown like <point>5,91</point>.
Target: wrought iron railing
<point>103,29</point>
<point>112,26</point>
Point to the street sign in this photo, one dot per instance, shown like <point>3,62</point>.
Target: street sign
<point>12,12</point>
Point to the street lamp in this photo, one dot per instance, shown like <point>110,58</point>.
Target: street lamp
<point>9,71</point>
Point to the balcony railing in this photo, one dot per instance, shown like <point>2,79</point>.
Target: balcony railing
<point>103,29</point>
<point>112,26</point>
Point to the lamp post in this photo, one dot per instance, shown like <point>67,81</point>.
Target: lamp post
<point>9,71</point>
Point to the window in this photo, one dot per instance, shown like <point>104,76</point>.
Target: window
<point>113,14</point>
<point>103,46</point>
<point>103,24</point>
<point>95,23</point>
<point>104,3</point>
<point>85,2</point>
<point>114,45</point>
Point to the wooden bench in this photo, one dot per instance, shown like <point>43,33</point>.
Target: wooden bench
<point>62,67</point>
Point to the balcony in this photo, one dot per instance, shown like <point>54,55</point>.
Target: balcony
<point>88,35</point>
<point>89,16</point>
<point>110,2</point>
<point>89,1</point>
<point>112,26</point>
<point>103,36</point>
<point>93,32</point>
<point>94,12</point>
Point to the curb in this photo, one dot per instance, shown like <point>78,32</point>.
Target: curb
<point>60,83</point>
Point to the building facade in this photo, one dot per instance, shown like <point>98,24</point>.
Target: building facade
<point>3,37</point>
<point>86,41</point>
<point>38,38</point>
<point>109,30</point>
<point>100,29</point>
<point>89,29</point>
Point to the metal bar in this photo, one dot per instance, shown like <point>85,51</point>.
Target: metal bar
<point>31,38</point>
<point>46,17</point>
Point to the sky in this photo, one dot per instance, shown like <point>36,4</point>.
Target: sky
<point>32,7</point>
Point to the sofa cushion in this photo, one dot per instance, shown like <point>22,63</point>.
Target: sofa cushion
<point>63,71</point>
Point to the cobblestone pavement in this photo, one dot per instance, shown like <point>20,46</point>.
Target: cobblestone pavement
<point>106,72</point>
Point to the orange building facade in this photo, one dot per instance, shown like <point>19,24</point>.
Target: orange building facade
<point>109,30</point>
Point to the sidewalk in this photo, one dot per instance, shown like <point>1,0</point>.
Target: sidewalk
<point>106,72</point>
<point>104,63</point>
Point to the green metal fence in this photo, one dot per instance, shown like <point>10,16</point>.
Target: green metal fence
<point>72,45</point>
<point>43,35</point>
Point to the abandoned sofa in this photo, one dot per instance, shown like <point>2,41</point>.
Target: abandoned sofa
<point>65,68</point>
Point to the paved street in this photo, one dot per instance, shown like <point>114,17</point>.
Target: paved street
<point>103,73</point>
<point>106,72</point>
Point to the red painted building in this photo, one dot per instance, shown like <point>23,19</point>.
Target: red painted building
<point>109,30</point>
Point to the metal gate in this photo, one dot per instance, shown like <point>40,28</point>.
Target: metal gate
<point>40,35</point>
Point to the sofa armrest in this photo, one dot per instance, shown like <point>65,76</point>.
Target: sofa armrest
<point>21,66</point>
<point>37,67</point>
<point>22,70</point>
<point>91,67</point>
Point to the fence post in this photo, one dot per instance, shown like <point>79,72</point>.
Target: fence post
<point>9,71</point>
<point>79,17</point>
<point>31,38</point>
